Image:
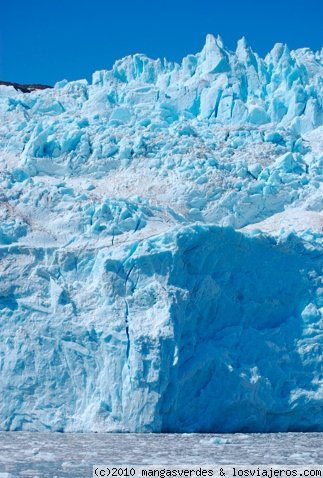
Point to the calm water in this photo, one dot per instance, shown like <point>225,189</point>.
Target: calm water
<point>55,455</point>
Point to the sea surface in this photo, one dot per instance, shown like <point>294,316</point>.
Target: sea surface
<point>58,455</point>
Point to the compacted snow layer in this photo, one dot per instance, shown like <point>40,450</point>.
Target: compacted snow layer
<point>161,246</point>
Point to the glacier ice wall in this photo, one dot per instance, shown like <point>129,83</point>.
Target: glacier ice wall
<point>161,246</point>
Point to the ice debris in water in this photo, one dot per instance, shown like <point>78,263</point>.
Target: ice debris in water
<point>217,440</point>
<point>161,246</point>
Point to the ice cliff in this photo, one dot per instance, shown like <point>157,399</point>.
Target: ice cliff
<point>161,246</point>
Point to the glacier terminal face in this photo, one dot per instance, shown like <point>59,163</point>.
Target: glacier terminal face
<point>161,246</point>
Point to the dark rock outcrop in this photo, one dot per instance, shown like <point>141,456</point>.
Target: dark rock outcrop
<point>25,88</point>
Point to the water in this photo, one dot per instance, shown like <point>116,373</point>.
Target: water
<point>56,455</point>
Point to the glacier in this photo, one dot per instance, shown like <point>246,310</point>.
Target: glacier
<point>161,246</point>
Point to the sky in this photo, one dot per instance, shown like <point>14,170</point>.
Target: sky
<point>44,41</point>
